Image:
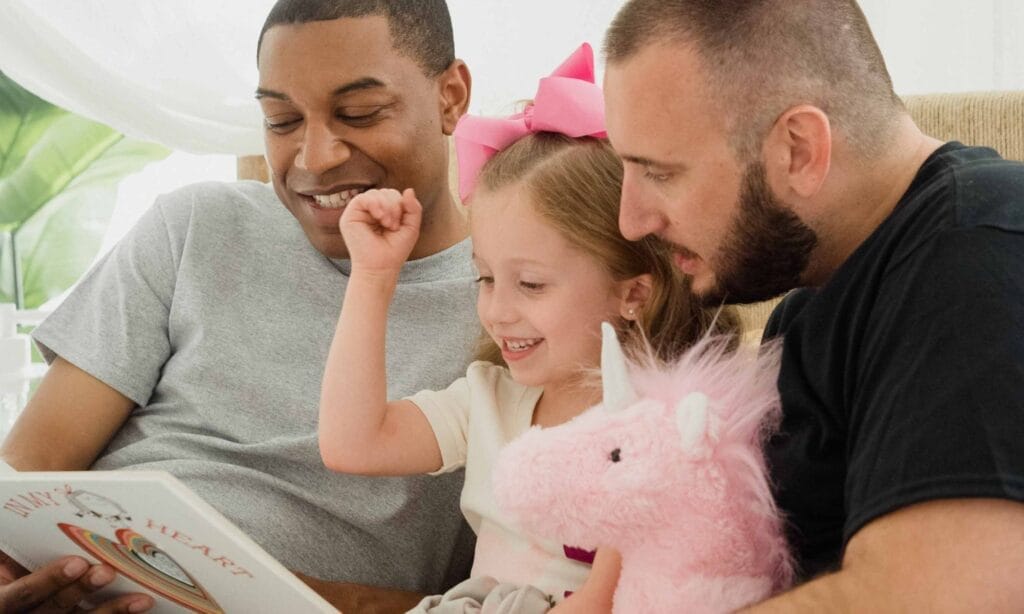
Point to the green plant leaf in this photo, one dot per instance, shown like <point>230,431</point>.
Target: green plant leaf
<point>65,150</point>
<point>24,117</point>
<point>60,241</point>
<point>58,185</point>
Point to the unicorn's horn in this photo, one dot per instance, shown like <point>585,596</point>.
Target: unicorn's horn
<point>618,391</point>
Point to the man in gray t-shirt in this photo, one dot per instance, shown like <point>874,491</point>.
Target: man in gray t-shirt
<point>197,345</point>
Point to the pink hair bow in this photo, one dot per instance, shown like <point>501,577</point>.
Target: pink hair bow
<point>567,102</point>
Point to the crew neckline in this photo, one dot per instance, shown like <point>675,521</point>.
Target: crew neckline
<point>429,268</point>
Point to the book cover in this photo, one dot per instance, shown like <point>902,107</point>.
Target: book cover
<point>160,537</point>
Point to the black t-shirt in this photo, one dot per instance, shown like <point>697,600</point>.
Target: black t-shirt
<point>903,377</point>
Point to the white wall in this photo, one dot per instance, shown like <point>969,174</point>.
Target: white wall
<point>510,45</point>
<point>929,45</point>
<point>950,45</point>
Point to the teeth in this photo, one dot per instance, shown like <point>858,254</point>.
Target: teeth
<point>518,346</point>
<point>336,200</point>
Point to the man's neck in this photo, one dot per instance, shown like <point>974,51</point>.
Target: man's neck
<point>444,225</point>
<point>864,195</point>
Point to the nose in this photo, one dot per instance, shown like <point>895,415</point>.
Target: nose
<point>322,149</point>
<point>637,218</point>
<point>495,305</point>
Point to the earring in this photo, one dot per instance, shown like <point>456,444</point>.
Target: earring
<point>631,313</point>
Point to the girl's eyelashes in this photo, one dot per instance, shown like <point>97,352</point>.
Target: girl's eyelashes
<point>531,286</point>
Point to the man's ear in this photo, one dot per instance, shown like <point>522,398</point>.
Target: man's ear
<point>456,84</point>
<point>798,152</point>
<point>635,293</point>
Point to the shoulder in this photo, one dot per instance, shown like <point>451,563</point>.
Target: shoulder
<point>956,192</point>
<point>968,218</point>
<point>483,380</point>
<point>213,198</point>
<point>223,216</point>
<point>786,312</point>
<point>965,260</point>
<point>482,371</point>
<point>989,192</point>
<point>494,380</point>
<point>971,186</point>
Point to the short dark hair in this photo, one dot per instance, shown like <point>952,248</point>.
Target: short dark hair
<point>421,29</point>
<point>765,56</point>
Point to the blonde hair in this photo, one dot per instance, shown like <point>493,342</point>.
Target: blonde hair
<point>575,185</point>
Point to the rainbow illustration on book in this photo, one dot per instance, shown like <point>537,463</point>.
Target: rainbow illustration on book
<point>140,560</point>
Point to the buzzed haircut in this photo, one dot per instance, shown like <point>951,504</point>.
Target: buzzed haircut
<point>420,29</point>
<point>762,57</point>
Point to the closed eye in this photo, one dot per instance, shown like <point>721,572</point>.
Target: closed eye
<point>532,286</point>
<point>485,279</point>
<point>656,177</point>
<point>280,126</point>
<point>361,119</point>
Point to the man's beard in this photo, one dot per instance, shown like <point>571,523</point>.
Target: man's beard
<point>766,250</point>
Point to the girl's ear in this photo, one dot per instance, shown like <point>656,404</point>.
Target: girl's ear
<point>634,293</point>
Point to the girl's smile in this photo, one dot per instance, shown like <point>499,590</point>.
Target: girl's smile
<point>513,349</point>
<point>542,299</point>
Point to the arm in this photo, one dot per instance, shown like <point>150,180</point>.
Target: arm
<point>597,592</point>
<point>360,431</point>
<point>52,435</point>
<point>942,555</point>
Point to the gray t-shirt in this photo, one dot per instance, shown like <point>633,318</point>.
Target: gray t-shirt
<point>214,315</point>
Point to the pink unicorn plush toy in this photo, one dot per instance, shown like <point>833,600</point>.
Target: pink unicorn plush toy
<point>669,471</point>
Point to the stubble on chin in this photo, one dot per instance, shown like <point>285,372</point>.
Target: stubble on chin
<point>767,250</point>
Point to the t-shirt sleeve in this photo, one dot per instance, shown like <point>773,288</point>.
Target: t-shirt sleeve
<point>448,413</point>
<point>938,409</point>
<point>114,323</point>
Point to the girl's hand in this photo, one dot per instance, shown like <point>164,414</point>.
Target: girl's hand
<point>380,228</point>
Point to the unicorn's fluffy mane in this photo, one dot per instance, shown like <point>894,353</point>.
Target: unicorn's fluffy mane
<point>741,387</point>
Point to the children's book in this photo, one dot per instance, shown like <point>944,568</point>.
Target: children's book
<point>160,537</point>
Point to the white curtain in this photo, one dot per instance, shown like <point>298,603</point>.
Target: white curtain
<point>182,72</point>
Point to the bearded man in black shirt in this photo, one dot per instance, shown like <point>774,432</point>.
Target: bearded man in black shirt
<point>763,140</point>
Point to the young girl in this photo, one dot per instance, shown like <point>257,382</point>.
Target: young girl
<point>552,266</point>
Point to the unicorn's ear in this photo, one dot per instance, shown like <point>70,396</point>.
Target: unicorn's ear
<point>692,419</point>
<point>618,390</point>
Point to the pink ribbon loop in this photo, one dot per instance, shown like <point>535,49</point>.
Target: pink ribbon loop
<point>567,102</point>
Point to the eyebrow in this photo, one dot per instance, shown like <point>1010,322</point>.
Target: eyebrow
<point>649,162</point>
<point>365,83</point>
<point>516,261</point>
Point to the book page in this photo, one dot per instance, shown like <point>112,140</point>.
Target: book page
<point>159,536</point>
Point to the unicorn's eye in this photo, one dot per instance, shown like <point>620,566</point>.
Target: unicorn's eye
<point>616,455</point>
